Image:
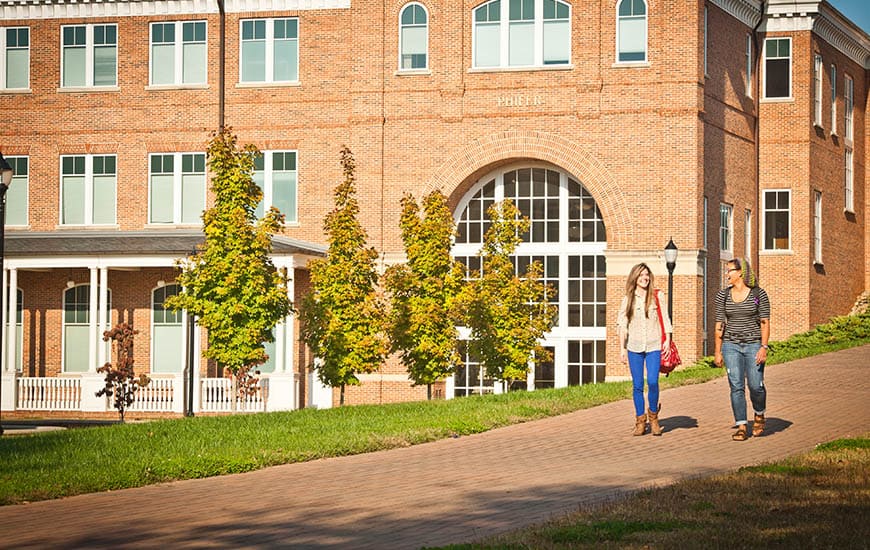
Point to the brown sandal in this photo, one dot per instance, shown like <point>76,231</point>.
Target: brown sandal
<point>758,425</point>
<point>740,434</point>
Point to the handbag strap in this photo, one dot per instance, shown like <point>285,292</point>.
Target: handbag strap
<point>659,311</point>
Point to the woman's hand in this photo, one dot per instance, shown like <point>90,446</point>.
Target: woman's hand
<point>623,356</point>
<point>717,359</point>
<point>761,356</point>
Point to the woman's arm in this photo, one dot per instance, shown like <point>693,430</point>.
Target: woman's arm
<point>717,334</point>
<point>761,356</point>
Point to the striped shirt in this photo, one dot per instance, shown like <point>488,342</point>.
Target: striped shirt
<point>742,319</point>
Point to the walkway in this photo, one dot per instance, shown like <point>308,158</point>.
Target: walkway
<point>459,489</point>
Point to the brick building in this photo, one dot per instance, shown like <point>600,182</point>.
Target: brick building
<point>734,127</point>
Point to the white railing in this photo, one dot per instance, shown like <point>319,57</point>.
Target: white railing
<point>157,396</point>
<point>49,394</point>
<point>217,396</point>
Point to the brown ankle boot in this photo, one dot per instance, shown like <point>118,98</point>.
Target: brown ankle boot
<point>655,428</point>
<point>640,425</point>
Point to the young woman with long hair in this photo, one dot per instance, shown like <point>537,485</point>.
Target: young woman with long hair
<point>742,332</point>
<point>640,344</point>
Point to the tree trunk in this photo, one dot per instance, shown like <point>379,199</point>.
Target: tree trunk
<point>429,392</point>
<point>341,398</point>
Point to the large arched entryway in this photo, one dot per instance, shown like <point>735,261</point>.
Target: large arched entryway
<point>567,236</point>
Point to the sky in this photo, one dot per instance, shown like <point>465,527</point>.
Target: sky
<point>856,10</point>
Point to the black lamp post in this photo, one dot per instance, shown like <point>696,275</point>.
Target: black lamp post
<point>671,263</point>
<point>6,174</point>
<point>191,353</point>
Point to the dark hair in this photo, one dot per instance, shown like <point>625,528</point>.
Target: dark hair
<point>746,273</point>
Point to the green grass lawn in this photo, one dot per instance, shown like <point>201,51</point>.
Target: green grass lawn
<point>63,463</point>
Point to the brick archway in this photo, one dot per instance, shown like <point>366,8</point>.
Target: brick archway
<point>461,170</point>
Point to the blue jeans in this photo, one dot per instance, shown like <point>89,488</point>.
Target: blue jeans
<point>741,367</point>
<point>653,360</point>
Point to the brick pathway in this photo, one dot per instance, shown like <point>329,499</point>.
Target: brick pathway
<point>459,489</point>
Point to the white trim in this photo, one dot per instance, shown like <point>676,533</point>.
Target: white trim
<point>763,92</point>
<point>646,35</point>
<point>401,27</point>
<point>70,9</point>
<point>747,12</point>
<point>763,246</point>
<point>817,227</point>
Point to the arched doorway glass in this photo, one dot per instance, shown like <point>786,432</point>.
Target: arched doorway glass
<point>567,236</point>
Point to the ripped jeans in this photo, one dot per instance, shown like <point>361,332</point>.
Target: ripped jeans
<point>742,369</point>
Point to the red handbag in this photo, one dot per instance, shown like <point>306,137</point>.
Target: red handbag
<point>671,357</point>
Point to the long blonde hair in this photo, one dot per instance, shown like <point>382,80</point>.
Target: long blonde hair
<point>631,287</point>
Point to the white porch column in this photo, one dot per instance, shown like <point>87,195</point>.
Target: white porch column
<point>92,381</point>
<point>282,387</point>
<point>7,372</point>
<point>3,317</point>
<point>197,376</point>
<point>92,321</point>
<point>103,306</point>
<point>12,321</point>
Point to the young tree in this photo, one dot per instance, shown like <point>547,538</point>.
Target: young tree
<point>342,317</point>
<point>506,314</point>
<point>422,318</point>
<point>121,381</point>
<point>231,284</point>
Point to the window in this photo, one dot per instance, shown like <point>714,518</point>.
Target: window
<point>19,330</point>
<point>777,220</point>
<point>275,173</point>
<point>90,56</point>
<point>270,50</point>
<point>848,181</point>
<point>747,233</point>
<point>177,188</point>
<point>17,195</point>
<point>817,91</point>
<point>167,340</point>
<point>178,53</point>
<point>817,227</point>
<point>76,323</point>
<point>87,189</point>
<point>777,68</point>
<point>725,236</point>
<point>522,33</point>
<point>631,31</point>
<point>833,99</point>
<point>749,65</point>
<point>849,97</point>
<point>15,69</point>
<point>413,37</point>
<point>706,39</point>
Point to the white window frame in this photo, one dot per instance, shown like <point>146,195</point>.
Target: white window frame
<point>749,61</point>
<point>18,194</point>
<point>764,221</point>
<point>64,324</point>
<point>833,99</point>
<point>4,59</point>
<point>90,48</point>
<point>706,41</point>
<point>89,194</point>
<point>817,227</point>
<point>790,70</point>
<point>266,177</point>
<point>177,189</point>
<point>402,27</point>
<point>726,231</point>
<point>849,98</point>
<point>177,323</point>
<point>504,28</point>
<point>747,233</point>
<point>269,56</point>
<point>619,20</point>
<point>178,45</point>
<point>817,90</point>
<point>849,180</point>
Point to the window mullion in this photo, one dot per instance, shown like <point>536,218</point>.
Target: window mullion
<point>178,50</point>
<point>88,214</point>
<point>89,55</point>
<point>267,181</point>
<point>538,39</point>
<point>270,50</point>
<point>5,52</point>
<point>504,34</point>
<point>177,174</point>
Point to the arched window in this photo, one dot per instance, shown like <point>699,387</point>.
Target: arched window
<point>522,33</point>
<point>631,29</point>
<point>167,333</point>
<point>413,38</point>
<point>76,321</point>
<point>567,237</point>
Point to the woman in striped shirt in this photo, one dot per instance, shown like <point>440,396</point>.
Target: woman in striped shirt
<point>742,332</point>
